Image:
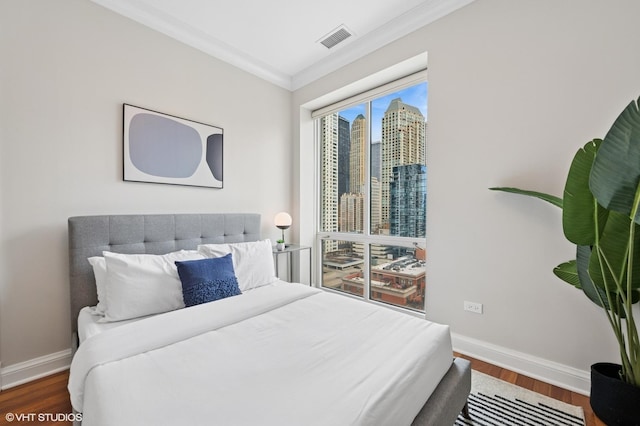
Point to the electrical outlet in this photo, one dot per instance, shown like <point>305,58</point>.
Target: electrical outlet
<point>476,308</point>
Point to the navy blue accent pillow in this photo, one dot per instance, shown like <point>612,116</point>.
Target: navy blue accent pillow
<point>206,280</point>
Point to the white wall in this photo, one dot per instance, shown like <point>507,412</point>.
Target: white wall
<point>67,68</point>
<point>515,88</point>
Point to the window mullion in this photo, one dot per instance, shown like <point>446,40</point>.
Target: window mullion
<point>367,204</point>
<point>367,172</point>
<point>374,252</point>
<point>366,271</point>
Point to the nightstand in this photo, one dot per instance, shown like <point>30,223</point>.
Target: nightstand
<point>290,251</point>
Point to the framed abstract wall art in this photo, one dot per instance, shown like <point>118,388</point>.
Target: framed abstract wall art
<point>161,148</point>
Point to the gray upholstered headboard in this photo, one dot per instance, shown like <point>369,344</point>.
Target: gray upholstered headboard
<point>153,234</point>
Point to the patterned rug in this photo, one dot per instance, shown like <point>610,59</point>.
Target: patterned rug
<point>494,402</point>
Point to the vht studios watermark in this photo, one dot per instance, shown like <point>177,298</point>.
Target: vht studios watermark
<point>43,417</point>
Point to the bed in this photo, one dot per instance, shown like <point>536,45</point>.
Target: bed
<point>277,354</point>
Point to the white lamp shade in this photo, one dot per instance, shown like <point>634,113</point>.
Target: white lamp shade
<point>283,220</point>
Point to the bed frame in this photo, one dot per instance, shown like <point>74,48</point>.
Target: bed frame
<point>164,233</point>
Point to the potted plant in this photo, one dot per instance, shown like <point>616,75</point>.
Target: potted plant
<point>280,245</point>
<point>601,215</point>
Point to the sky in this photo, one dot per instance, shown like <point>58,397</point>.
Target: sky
<point>414,95</point>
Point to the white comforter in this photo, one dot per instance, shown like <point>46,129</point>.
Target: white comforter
<point>279,355</point>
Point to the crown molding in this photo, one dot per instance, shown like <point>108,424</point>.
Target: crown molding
<point>401,26</point>
<point>178,30</point>
<point>406,23</point>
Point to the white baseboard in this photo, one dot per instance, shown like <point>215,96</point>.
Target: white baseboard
<point>33,369</point>
<point>541,369</point>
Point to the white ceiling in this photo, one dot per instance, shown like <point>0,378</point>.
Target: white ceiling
<point>278,40</point>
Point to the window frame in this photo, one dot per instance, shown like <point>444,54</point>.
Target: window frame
<point>366,238</point>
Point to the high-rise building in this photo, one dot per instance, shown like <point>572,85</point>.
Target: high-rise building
<point>329,177</point>
<point>376,160</point>
<point>376,195</point>
<point>357,155</point>
<point>344,145</point>
<point>408,202</point>
<point>403,142</point>
<point>351,212</point>
<point>375,206</point>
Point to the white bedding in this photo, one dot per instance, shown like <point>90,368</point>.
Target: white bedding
<point>89,324</point>
<point>283,354</point>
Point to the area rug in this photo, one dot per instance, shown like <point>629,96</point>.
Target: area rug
<point>494,402</point>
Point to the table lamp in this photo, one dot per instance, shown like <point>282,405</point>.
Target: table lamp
<point>283,221</point>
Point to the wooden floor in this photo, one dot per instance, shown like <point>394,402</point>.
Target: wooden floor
<point>537,386</point>
<point>49,395</point>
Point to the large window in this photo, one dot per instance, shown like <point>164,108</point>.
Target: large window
<point>373,197</point>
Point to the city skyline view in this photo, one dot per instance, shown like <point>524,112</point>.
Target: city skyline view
<point>392,195</point>
<point>414,95</point>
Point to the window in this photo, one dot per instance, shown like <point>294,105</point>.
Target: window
<point>373,197</point>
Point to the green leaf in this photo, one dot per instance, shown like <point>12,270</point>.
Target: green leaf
<point>579,206</point>
<point>556,201</point>
<point>614,247</point>
<point>615,175</point>
<point>568,273</point>
<point>583,254</point>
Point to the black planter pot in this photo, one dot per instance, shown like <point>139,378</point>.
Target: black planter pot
<point>615,402</point>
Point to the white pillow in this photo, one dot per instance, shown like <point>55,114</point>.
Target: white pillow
<point>99,266</point>
<point>143,284</point>
<point>252,262</point>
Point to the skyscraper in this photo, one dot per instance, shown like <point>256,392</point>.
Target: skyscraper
<point>375,205</point>
<point>408,203</point>
<point>376,160</point>
<point>357,155</point>
<point>376,196</point>
<point>351,212</point>
<point>344,145</point>
<point>329,176</point>
<point>403,142</point>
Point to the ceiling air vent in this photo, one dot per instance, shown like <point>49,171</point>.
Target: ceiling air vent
<point>336,36</point>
